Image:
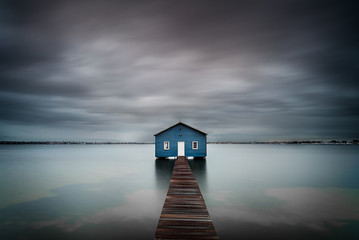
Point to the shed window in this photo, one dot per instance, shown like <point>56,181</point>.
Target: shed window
<point>194,145</point>
<point>166,145</point>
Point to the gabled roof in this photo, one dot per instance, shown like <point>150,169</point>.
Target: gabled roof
<point>180,123</point>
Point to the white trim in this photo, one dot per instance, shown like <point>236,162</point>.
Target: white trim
<point>193,145</point>
<point>166,145</point>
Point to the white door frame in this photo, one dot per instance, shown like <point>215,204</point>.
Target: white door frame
<point>180,149</point>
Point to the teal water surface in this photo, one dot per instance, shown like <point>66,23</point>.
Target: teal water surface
<point>117,191</point>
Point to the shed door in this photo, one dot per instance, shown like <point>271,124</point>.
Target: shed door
<point>180,149</point>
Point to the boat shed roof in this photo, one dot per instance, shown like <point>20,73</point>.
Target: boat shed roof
<point>180,123</point>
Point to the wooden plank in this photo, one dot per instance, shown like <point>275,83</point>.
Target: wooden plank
<point>184,214</point>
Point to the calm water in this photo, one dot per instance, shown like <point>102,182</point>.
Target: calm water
<point>117,191</point>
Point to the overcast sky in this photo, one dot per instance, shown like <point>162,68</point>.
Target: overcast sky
<point>124,70</point>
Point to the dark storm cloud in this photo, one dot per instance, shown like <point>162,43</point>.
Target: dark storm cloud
<point>236,69</point>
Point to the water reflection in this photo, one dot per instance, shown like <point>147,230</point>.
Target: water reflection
<point>110,192</point>
<point>106,210</point>
<point>163,172</point>
<point>199,169</point>
<point>289,192</point>
<point>98,192</point>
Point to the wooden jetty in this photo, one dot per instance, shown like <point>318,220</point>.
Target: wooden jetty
<point>184,214</point>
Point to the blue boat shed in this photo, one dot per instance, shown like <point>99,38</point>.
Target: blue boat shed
<point>181,140</point>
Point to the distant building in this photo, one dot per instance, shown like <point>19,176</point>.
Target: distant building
<point>181,140</point>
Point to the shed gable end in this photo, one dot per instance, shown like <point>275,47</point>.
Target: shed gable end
<point>169,142</point>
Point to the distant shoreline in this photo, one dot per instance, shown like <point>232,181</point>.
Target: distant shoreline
<point>332,142</point>
<point>67,143</point>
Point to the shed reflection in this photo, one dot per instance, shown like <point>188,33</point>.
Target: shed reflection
<point>164,168</point>
<point>199,169</point>
<point>163,172</point>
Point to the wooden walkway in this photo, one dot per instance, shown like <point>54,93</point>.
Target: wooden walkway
<point>184,214</point>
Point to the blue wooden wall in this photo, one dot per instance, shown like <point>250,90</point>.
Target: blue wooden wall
<point>181,133</point>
